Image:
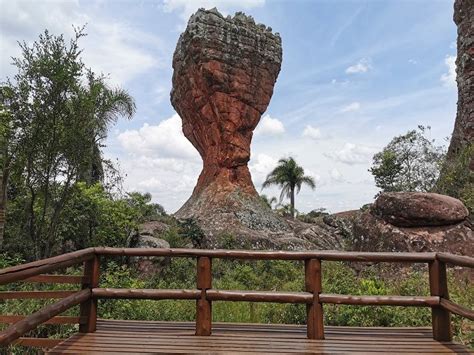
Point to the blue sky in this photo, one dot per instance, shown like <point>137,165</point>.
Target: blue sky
<point>354,74</point>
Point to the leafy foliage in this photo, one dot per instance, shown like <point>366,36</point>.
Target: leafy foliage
<point>457,178</point>
<point>268,201</point>
<point>184,233</point>
<point>410,162</point>
<point>55,117</point>
<point>289,176</point>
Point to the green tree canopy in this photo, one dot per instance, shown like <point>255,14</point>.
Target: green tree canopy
<point>289,176</point>
<point>268,201</point>
<point>410,162</point>
<point>55,117</point>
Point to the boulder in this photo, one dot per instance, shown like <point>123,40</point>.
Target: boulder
<point>153,228</point>
<point>372,233</point>
<point>147,241</point>
<point>419,209</point>
<point>148,265</point>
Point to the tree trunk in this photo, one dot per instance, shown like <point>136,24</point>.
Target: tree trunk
<point>3,204</point>
<point>292,201</point>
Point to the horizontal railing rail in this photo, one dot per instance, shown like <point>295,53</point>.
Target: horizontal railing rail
<point>313,296</point>
<point>328,255</point>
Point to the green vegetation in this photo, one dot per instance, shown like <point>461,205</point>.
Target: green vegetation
<point>457,179</point>
<point>58,191</point>
<point>289,176</point>
<point>410,162</point>
<point>268,201</point>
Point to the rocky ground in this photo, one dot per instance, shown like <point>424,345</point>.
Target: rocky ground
<point>395,222</point>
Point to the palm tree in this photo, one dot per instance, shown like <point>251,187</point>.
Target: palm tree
<point>289,176</point>
<point>268,201</point>
<point>105,106</point>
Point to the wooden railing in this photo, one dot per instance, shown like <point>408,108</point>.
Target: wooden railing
<point>204,294</point>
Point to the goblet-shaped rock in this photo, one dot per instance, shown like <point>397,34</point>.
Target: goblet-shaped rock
<point>224,73</point>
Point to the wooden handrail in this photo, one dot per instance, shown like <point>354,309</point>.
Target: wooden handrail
<point>9,295</point>
<point>204,295</point>
<point>55,320</point>
<point>58,279</point>
<point>24,271</point>
<point>16,330</point>
<point>259,296</point>
<point>410,301</point>
<point>456,309</point>
<point>328,255</point>
<point>458,260</point>
<point>127,293</point>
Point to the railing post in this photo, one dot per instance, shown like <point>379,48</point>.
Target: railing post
<point>203,305</point>
<point>88,308</point>
<point>441,318</point>
<point>314,310</point>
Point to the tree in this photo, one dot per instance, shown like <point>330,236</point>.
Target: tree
<point>142,203</point>
<point>58,116</point>
<point>410,162</point>
<point>289,176</point>
<point>5,160</point>
<point>457,177</point>
<point>268,201</point>
<point>103,105</point>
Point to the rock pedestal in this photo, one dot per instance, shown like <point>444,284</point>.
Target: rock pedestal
<point>224,72</point>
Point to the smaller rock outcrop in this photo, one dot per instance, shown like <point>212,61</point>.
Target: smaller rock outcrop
<point>419,209</point>
<point>413,222</point>
<point>144,238</point>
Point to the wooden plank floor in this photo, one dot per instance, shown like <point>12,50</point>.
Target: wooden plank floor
<point>139,337</point>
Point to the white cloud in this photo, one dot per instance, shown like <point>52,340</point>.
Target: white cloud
<point>269,126</point>
<point>260,167</point>
<point>111,47</point>
<point>170,164</point>
<point>362,66</point>
<point>151,184</point>
<point>312,132</point>
<point>316,177</point>
<point>163,140</point>
<point>117,50</point>
<point>336,175</point>
<point>353,154</point>
<point>354,106</point>
<point>412,61</point>
<point>449,78</point>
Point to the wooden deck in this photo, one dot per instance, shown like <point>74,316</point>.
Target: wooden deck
<point>138,337</point>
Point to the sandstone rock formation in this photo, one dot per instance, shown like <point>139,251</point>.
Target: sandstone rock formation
<point>412,222</point>
<point>224,73</point>
<point>463,133</point>
<point>418,209</point>
<point>146,237</point>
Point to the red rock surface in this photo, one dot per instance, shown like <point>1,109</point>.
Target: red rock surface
<point>463,133</point>
<point>419,209</point>
<point>224,73</point>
